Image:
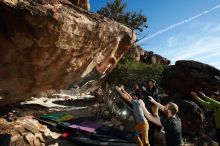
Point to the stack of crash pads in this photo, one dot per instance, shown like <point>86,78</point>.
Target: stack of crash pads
<point>101,137</point>
<point>98,140</point>
<point>86,131</point>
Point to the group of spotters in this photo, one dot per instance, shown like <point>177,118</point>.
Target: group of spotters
<point>146,104</point>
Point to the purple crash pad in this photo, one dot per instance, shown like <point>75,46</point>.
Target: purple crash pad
<point>87,126</point>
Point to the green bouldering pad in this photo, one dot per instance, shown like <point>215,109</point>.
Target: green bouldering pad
<point>57,117</point>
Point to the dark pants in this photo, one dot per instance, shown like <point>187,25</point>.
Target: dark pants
<point>151,136</point>
<point>218,135</point>
<point>152,129</point>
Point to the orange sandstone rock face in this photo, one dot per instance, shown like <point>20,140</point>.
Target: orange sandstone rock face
<point>48,45</point>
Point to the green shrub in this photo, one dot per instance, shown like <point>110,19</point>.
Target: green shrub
<point>128,71</point>
<point>117,10</point>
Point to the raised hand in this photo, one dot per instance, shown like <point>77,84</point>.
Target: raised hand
<point>122,87</point>
<point>119,37</point>
<point>117,88</point>
<point>194,94</point>
<point>151,99</point>
<point>201,93</point>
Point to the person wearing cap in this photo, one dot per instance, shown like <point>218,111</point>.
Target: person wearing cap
<point>213,104</point>
<point>142,125</point>
<point>151,90</point>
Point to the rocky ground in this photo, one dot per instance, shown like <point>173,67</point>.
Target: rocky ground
<point>19,120</point>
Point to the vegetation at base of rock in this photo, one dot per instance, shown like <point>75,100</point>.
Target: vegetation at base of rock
<point>116,10</point>
<point>128,71</point>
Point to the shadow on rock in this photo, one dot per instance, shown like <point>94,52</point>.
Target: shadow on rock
<point>77,102</point>
<point>31,109</point>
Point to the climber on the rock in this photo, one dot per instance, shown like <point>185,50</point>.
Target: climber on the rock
<point>211,104</point>
<point>102,64</point>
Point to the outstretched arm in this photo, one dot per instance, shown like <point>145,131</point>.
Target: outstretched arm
<point>126,97</point>
<point>151,118</point>
<point>210,100</point>
<point>89,68</point>
<point>100,58</point>
<point>160,106</point>
<point>125,92</point>
<point>115,46</point>
<point>200,101</point>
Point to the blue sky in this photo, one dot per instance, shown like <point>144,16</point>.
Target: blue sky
<point>179,29</point>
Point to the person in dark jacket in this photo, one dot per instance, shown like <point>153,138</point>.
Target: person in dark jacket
<point>151,90</point>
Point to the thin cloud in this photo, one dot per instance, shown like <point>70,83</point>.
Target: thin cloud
<point>191,54</point>
<point>215,64</point>
<point>208,56</point>
<point>215,29</point>
<point>197,48</point>
<point>171,42</point>
<point>180,23</point>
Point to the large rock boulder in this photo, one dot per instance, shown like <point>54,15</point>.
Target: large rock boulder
<point>49,44</point>
<point>186,76</point>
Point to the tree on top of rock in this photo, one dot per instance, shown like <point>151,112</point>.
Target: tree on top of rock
<point>116,10</point>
